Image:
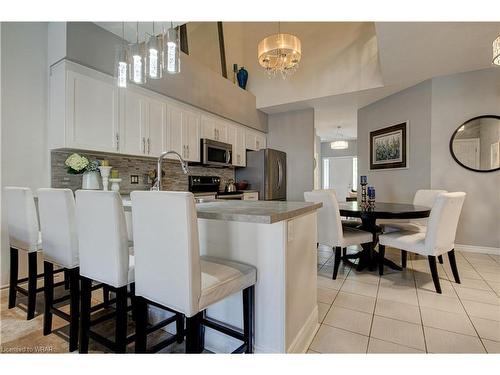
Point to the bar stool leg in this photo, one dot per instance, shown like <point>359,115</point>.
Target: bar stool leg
<point>121,320</point>
<point>440,258</point>
<point>85,300</point>
<point>105,295</point>
<point>179,327</point>
<point>66,279</point>
<point>193,334</point>
<point>404,257</point>
<point>14,273</point>
<point>141,320</point>
<point>132,300</point>
<point>32,278</point>
<point>74,290</point>
<point>48,292</point>
<point>249,317</point>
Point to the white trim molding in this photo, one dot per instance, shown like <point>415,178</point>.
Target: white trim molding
<point>478,249</point>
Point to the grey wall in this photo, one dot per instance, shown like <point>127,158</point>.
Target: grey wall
<point>25,156</point>
<point>455,99</point>
<point>412,105</point>
<point>92,46</point>
<point>435,108</point>
<point>293,133</point>
<point>327,152</point>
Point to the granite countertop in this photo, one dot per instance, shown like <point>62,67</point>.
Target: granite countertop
<point>264,212</point>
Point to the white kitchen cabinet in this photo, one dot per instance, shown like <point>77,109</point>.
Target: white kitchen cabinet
<point>142,124</point>
<point>83,110</point>
<point>183,132</point>
<point>236,137</point>
<point>214,128</point>
<point>221,127</point>
<point>255,140</point>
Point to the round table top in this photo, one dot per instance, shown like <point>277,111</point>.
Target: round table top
<point>383,210</point>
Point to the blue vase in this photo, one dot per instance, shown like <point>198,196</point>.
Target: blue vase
<point>242,78</point>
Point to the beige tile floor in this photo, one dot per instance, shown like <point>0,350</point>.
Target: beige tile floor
<point>400,312</point>
<point>359,312</point>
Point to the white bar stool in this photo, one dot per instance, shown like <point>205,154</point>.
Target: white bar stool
<point>24,235</point>
<point>104,257</point>
<point>171,273</point>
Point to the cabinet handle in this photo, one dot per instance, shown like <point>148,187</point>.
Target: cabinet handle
<point>257,144</point>
<point>117,142</point>
<point>149,146</point>
<point>143,145</point>
<point>183,151</point>
<point>187,147</point>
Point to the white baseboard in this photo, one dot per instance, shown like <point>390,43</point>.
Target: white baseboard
<point>478,249</point>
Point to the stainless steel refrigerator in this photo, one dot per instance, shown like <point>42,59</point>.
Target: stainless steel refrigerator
<point>265,172</point>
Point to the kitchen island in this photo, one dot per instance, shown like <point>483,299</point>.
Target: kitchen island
<point>279,239</point>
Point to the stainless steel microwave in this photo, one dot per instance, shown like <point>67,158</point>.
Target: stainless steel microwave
<point>216,153</point>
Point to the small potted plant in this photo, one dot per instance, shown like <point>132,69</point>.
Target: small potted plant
<point>78,164</point>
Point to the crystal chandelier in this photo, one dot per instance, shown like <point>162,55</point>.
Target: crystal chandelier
<point>496,51</point>
<point>279,53</point>
<point>122,55</point>
<point>339,144</point>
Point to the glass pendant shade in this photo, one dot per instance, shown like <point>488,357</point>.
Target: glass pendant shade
<point>172,51</point>
<point>339,145</point>
<point>155,57</point>
<point>121,65</point>
<point>137,63</point>
<point>496,51</point>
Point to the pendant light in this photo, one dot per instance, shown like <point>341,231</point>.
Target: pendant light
<point>172,50</point>
<point>339,144</point>
<point>137,62</point>
<point>154,55</point>
<point>121,61</point>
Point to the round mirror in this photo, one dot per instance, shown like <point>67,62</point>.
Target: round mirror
<point>475,144</point>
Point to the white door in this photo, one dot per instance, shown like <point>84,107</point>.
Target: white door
<point>133,135</point>
<point>340,176</point>
<point>92,121</point>
<point>157,127</point>
<point>467,151</point>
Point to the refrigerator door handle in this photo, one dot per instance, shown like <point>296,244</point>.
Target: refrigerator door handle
<point>280,175</point>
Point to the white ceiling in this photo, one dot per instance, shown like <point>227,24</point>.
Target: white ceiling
<point>130,28</point>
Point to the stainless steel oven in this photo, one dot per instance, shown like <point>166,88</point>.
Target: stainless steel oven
<point>216,153</point>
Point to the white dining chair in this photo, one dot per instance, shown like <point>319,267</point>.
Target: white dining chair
<point>104,257</point>
<point>437,240</point>
<point>56,208</point>
<point>423,197</point>
<point>24,235</point>
<point>171,273</point>
<point>331,233</point>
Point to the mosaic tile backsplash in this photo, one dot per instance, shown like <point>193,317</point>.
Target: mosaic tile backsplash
<point>174,178</point>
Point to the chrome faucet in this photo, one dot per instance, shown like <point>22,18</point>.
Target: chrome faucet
<point>185,169</point>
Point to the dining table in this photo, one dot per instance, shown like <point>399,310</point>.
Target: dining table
<point>368,257</point>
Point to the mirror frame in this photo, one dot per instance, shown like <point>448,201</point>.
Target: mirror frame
<point>453,137</point>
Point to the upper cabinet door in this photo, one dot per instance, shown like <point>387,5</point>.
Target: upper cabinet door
<point>175,130</point>
<point>191,135</point>
<point>92,117</point>
<point>250,140</point>
<point>133,136</point>
<point>221,131</point>
<point>240,151</point>
<point>208,128</point>
<point>157,120</point>
<point>260,141</point>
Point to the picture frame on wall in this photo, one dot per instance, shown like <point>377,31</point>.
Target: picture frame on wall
<point>389,147</point>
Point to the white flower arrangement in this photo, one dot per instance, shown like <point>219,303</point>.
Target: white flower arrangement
<point>78,164</point>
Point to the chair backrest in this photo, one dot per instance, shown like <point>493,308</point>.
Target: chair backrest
<point>443,221</point>
<point>329,223</point>
<point>166,248</point>
<point>22,220</point>
<point>102,237</point>
<point>56,208</point>
<point>426,198</point>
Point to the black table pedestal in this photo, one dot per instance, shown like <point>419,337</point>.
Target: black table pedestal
<point>368,257</point>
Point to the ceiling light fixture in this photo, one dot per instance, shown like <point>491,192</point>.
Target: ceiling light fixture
<point>496,51</point>
<point>155,55</point>
<point>121,61</point>
<point>339,144</point>
<point>280,53</point>
<point>172,50</point>
<point>137,62</point>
